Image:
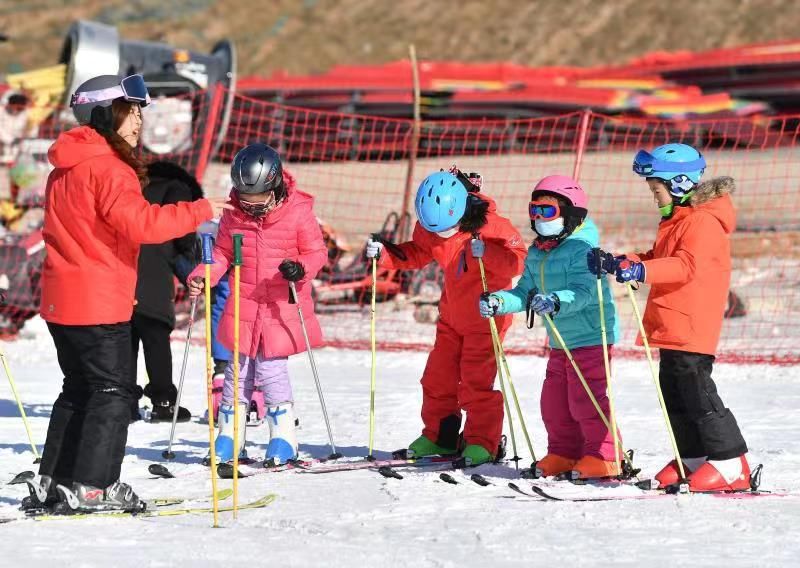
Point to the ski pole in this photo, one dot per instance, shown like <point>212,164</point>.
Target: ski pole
<point>296,300</point>
<point>208,260</point>
<point>36,457</point>
<point>237,267</point>
<point>167,454</point>
<point>590,394</point>
<point>372,371</point>
<point>606,362</point>
<point>653,373</point>
<point>502,365</point>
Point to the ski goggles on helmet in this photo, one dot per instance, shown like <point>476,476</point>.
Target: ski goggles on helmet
<point>131,88</point>
<point>645,164</point>
<point>543,210</point>
<point>258,210</point>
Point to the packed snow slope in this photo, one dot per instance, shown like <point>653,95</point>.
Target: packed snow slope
<point>351,518</point>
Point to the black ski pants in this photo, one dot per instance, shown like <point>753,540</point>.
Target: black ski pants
<point>154,336</point>
<point>89,425</point>
<point>702,424</point>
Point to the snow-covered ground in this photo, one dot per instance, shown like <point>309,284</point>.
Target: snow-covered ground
<point>348,518</point>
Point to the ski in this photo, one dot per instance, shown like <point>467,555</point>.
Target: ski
<point>160,512</point>
<point>225,470</point>
<point>433,465</point>
<point>375,464</point>
<point>550,496</point>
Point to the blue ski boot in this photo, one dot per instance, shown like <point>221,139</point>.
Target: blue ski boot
<point>282,445</point>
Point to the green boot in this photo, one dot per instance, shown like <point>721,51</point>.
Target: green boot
<point>422,446</point>
<point>476,455</point>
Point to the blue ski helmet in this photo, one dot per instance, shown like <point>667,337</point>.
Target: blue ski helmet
<point>441,202</point>
<point>680,165</point>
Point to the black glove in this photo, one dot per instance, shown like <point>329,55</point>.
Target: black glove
<point>608,262</point>
<point>292,270</point>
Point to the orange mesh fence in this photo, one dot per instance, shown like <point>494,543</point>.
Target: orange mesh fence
<point>362,170</point>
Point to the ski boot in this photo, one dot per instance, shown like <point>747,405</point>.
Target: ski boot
<point>591,467</point>
<point>164,412</point>
<point>721,475</point>
<point>422,447</point>
<point>223,445</point>
<point>255,414</point>
<point>85,498</point>
<point>282,446</point>
<point>550,465</point>
<point>670,474</point>
<point>475,454</point>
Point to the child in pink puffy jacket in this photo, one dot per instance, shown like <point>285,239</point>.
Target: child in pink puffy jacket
<point>282,243</point>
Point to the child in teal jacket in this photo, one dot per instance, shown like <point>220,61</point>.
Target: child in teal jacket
<point>557,281</point>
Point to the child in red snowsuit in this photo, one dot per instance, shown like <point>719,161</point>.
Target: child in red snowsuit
<point>461,369</point>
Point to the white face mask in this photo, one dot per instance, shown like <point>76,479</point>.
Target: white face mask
<point>549,228</point>
<point>448,233</point>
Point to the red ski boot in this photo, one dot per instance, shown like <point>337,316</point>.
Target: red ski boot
<point>721,475</point>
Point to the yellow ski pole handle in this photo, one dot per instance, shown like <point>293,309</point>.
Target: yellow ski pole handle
<point>585,385</point>
<point>654,374</point>
<point>207,245</point>
<point>237,267</point>
<point>373,348</point>
<point>36,456</point>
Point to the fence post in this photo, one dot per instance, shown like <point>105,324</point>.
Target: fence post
<point>583,132</point>
<point>210,131</point>
<point>414,144</point>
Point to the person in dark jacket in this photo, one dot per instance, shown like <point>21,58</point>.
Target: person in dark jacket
<point>154,313</point>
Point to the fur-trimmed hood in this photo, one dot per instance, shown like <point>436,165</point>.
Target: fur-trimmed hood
<point>714,197</point>
<point>711,189</point>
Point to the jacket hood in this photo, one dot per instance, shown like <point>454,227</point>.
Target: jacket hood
<point>173,172</point>
<point>77,145</point>
<point>587,232</point>
<point>713,196</point>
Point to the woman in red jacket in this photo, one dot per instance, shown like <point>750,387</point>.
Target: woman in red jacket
<point>461,369</point>
<point>95,219</point>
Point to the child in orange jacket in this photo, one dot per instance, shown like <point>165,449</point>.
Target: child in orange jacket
<point>461,369</point>
<point>688,270</point>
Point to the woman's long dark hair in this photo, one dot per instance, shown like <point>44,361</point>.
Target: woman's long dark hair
<point>120,109</point>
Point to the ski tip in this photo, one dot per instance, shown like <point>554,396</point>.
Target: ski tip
<point>447,478</point>
<point>23,477</point>
<point>480,480</point>
<point>388,472</point>
<point>160,471</point>
<point>169,456</point>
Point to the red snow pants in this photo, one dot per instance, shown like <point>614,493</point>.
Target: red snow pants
<point>574,427</point>
<point>460,375</point>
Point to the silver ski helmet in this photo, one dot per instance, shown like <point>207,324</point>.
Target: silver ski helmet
<point>92,100</point>
<point>257,168</point>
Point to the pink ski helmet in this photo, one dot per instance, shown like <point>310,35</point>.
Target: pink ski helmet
<point>563,186</point>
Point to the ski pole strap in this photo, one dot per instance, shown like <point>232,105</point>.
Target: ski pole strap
<point>237,249</point>
<point>207,240</point>
<point>393,249</point>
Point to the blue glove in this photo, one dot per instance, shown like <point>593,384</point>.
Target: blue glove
<point>608,262</point>
<point>478,248</point>
<point>489,304</point>
<point>629,270</point>
<point>545,304</point>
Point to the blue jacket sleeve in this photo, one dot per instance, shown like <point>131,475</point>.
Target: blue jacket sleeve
<point>580,282</point>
